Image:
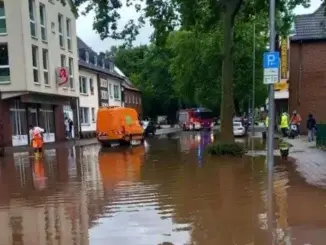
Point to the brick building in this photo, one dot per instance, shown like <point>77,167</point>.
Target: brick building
<point>132,97</point>
<point>307,86</point>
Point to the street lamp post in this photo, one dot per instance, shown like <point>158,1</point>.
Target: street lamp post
<point>253,80</point>
<point>271,122</point>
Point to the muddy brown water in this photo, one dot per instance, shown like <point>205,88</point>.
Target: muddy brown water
<point>167,192</point>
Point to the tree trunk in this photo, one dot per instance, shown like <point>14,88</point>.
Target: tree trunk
<point>227,103</point>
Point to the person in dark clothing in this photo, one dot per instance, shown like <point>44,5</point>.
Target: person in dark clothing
<point>311,126</point>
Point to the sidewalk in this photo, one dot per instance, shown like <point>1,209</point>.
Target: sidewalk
<point>310,161</point>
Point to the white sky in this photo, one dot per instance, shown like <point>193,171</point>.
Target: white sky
<point>85,30</point>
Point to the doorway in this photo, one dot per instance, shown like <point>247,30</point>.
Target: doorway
<point>47,123</point>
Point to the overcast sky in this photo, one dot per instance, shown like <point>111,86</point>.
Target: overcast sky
<point>85,30</point>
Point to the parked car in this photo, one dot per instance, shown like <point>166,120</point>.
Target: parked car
<point>239,129</point>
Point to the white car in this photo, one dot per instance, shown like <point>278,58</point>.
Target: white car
<point>238,129</point>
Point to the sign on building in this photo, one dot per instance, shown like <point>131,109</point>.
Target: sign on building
<point>284,58</point>
<point>62,75</point>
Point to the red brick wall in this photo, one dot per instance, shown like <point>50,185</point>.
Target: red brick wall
<point>129,102</point>
<point>307,87</point>
<point>5,124</point>
<point>59,123</point>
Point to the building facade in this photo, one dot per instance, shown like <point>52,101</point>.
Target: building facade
<point>132,97</point>
<point>38,70</point>
<point>99,86</point>
<point>307,88</point>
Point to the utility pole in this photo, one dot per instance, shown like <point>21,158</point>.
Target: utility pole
<point>271,119</point>
<point>253,80</point>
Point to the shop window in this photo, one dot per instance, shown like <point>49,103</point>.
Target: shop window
<point>84,115</point>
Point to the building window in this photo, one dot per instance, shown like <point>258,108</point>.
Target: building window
<point>43,22</point>
<point>35,64</point>
<point>95,60</point>
<point>32,21</point>
<point>93,114</point>
<point>82,85</point>
<point>60,29</point>
<point>104,95</point>
<point>84,115</point>
<point>3,24</point>
<point>116,92</point>
<point>110,90</point>
<point>68,27</point>
<point>133,99</point>
<point>45,58</point>
<point>4,63</point>
<point>91,86</point>
<point>71,72</point>
<point>87,56</point>
<point>63,60</point>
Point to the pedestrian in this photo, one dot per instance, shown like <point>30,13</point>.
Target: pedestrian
<point>311,126</point>
<point>284,124</point>
<point>68,126</point>
<point>37,139</point>
<point>296,120</point>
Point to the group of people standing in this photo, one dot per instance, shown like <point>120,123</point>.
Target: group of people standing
<point>286,122</point>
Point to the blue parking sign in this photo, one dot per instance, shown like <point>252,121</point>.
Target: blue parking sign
<point>271,60</point>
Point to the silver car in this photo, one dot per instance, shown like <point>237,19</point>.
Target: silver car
<point>239,129</point>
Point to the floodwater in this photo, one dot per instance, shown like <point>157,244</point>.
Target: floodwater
<point>167,192</point>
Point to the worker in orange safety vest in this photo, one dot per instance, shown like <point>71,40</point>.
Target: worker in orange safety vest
<point>36,138</point>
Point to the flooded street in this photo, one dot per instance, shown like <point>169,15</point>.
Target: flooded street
<point>166,192</point>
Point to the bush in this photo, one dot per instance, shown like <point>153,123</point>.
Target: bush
<point>226,149</point>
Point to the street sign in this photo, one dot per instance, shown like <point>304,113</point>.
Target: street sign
<point>271,67</point>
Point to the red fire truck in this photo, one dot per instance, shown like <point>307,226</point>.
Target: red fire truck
<point>195,119</point>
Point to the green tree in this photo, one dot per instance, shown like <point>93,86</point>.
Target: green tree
<point>202,15</point>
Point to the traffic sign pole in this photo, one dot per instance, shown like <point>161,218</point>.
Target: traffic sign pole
<point>271,126</point>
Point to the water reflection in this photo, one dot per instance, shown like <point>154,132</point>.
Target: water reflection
<point>168,192</point>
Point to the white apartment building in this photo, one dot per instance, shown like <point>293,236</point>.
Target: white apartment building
<point>38,68</point>
<point>114,92</point>
<point>99,85</point>
<point>88,99</point>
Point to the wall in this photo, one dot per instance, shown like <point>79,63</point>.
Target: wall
<point>132,99</point>
<point>308,87</point>
<point>20,46</point>
<point>89,100</point>
<point>112,100</point>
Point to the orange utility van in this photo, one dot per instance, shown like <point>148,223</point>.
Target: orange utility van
<point>118,125</point>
